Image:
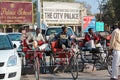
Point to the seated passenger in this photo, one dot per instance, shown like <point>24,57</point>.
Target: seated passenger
<point>63,38</point>
<point>23,40</point>
<point>39,38</point>
<point>23,36</point>
<point>91,39</point>
<point>30,38</point>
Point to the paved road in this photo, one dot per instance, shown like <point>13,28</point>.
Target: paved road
<point>86,75</point>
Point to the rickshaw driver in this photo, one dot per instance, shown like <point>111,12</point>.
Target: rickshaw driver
<point>30,38</point>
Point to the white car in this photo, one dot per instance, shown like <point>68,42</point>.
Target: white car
<point>10,63</point>
<point>15,37</point>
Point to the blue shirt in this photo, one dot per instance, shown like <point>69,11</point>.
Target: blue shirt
<point>63,37</point>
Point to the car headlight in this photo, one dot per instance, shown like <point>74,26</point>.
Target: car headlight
<point>12,61</point>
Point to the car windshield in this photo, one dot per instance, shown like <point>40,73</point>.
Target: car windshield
<point>57,30</point>
<point>15,37</point>
<point>5,43</point>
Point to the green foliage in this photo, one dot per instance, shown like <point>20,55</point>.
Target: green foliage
<point>116,5</point>
<point>1,26</point>
<point>111,11</point>
<point>108,15</point>
<point>88,7</point>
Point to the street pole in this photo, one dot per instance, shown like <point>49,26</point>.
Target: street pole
<point>100,4</point>
<point>39,13</point>
<point>100,12</point>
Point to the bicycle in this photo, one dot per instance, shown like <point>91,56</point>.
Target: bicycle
<point>37,58</point>
<point>109,55</point>
<point>93,56</point>
<point>36,63</point>
<point>66,58</point>
<point>109,59</point>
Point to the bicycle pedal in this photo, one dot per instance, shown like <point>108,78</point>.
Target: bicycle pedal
<point>56,68</point>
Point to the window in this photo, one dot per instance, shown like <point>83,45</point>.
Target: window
<point>5,43</point>
<point>57,30</point>
<point>15,37</point>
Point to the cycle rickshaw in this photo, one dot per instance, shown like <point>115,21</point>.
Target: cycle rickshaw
<point>95,56</point>
<point>66,58</point>
<point>35,57</point>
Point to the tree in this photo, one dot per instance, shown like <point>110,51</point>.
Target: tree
<point>116,6</point>
<point>15,0</point>
<point>108,15</point>
<point>88,7</point>
<point>112,11</point>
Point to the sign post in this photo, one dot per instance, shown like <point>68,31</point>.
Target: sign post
<point>16,13</point>
<point>99,26</point>
<point>57,16</point>
<point>39,13</point>
<point>88,22</point>
<point>61,13</point>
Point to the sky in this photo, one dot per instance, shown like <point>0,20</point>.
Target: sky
<point>94,5</point>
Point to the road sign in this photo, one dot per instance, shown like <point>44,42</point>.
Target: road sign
<point>88,22</point>
<point>16,12</point>
<point>99,26</point>
<point>61,13</point>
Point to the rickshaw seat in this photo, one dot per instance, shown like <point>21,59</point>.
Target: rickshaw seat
<point>54,46</point>
<point>40,42</point>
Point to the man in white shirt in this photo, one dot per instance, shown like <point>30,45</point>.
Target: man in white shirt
<point>115,46</point>
<point>30,38</point>
<point>40,40</point>
<point>39,36</point>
